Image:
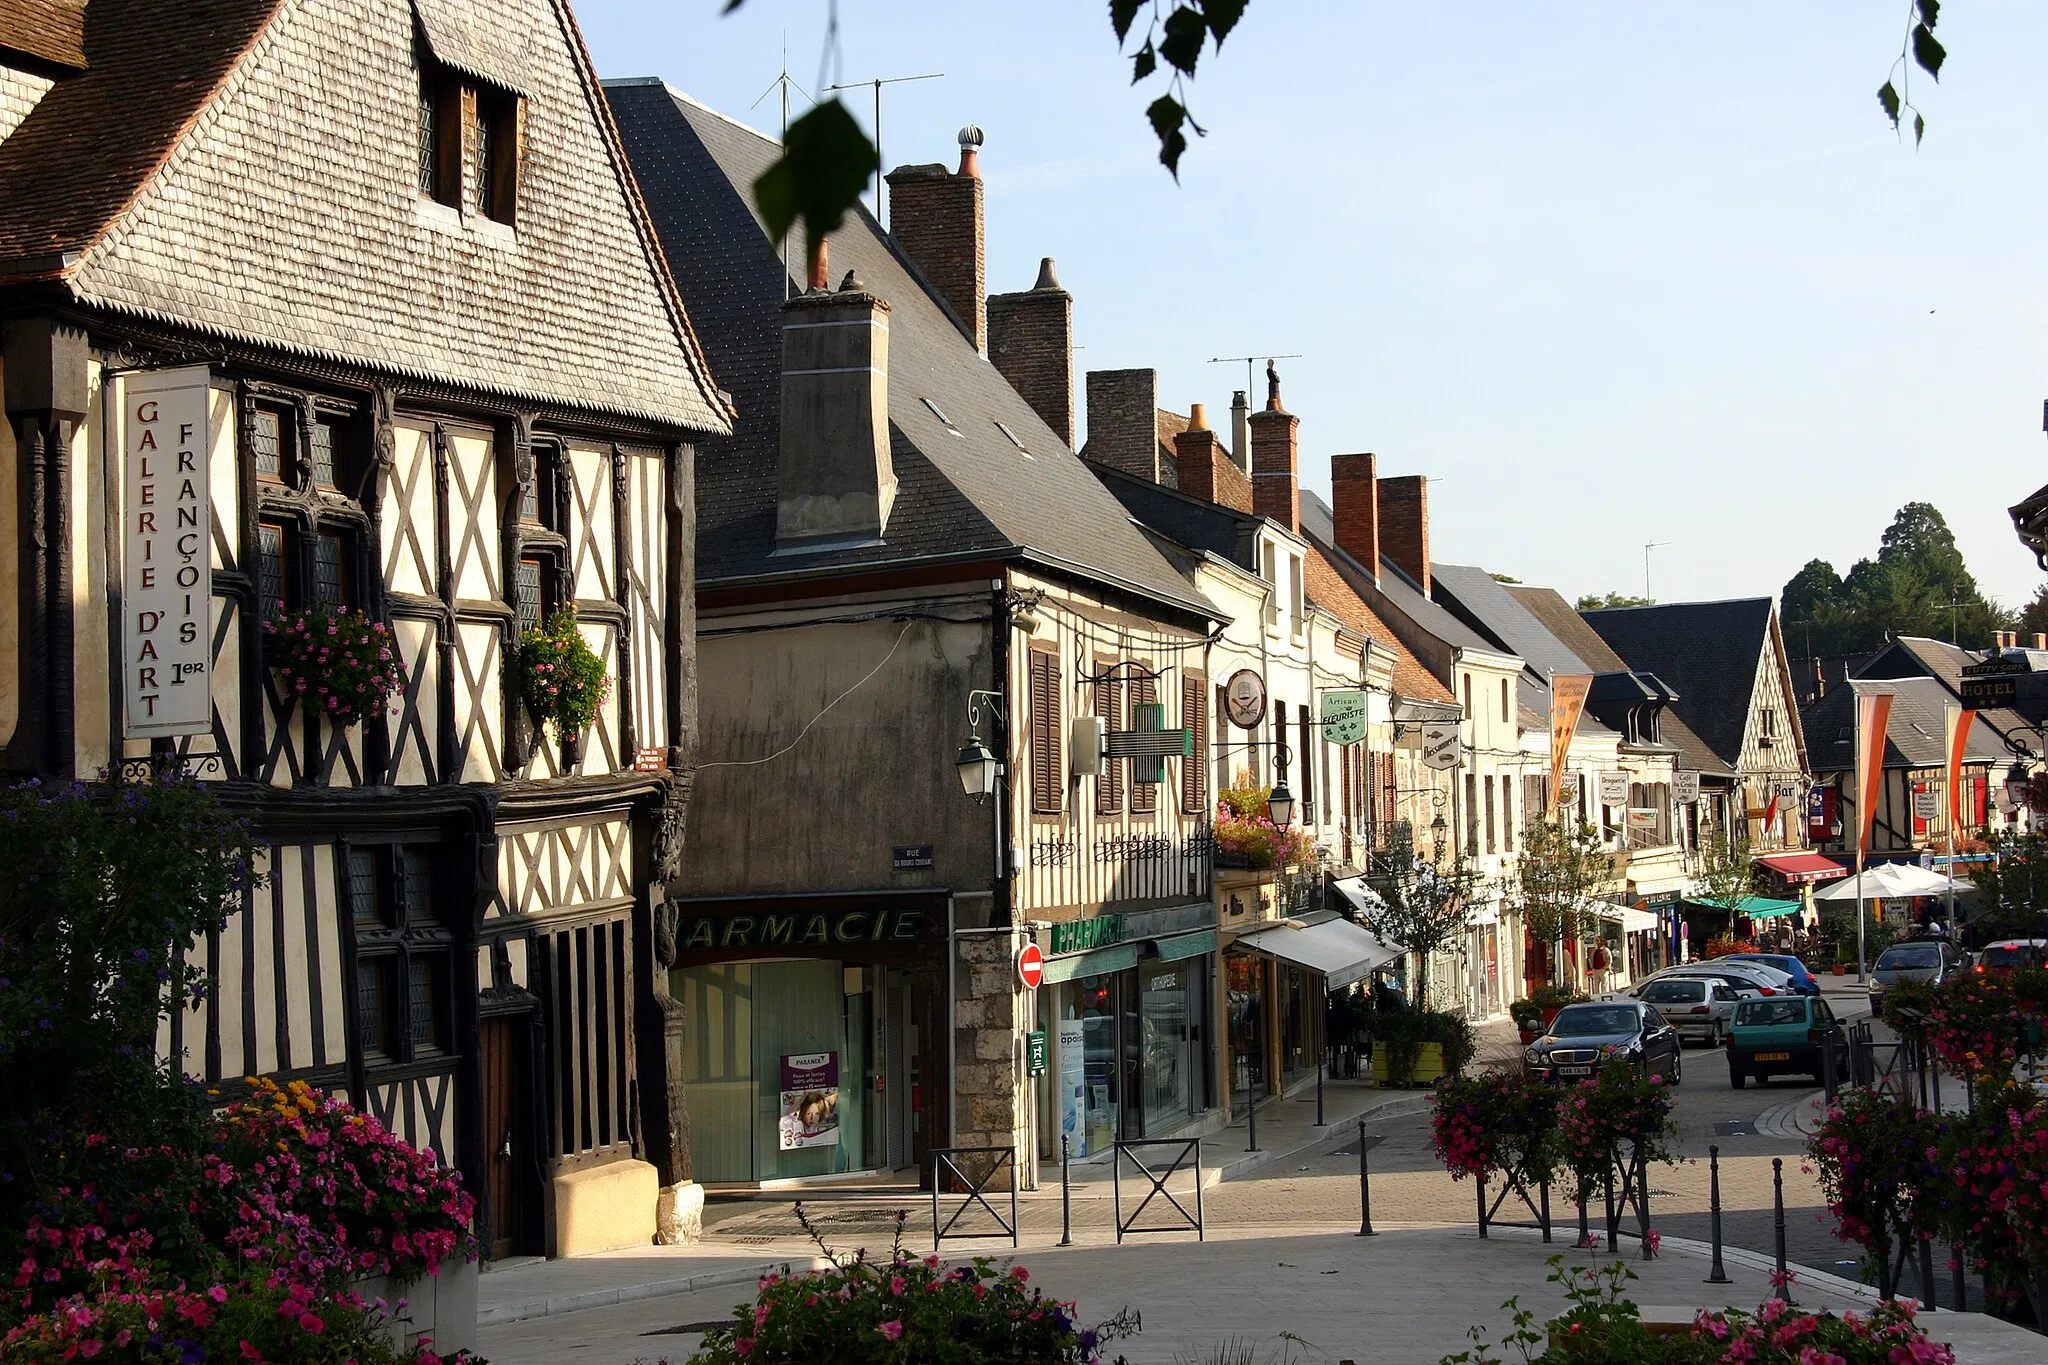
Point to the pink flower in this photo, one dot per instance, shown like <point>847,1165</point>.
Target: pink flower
<point>896,1284</point>
<point>892,1330</point>
<point>1019,1274</point>
<point>760,1316</point>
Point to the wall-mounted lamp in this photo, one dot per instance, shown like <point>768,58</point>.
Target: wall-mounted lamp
<point>1280,805</point>
<point>979,769</point>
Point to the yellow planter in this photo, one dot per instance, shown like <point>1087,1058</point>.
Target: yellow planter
<point>1429,1064</point>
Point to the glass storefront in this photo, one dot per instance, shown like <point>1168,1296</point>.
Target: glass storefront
<point>1245,978</point>
<point>1302,1004</point>
<point>1169,1015</point>
<point>1130,1054</point>
<point>785,1064</point>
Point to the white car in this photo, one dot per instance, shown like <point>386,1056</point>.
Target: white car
<point>1747,977</point>
<point>1701,1007</point>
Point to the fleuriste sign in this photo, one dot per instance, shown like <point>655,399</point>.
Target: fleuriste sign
<point>167,551</point>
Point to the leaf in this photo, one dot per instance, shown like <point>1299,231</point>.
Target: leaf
<point>1919,127</point>
<point>1143,64</point>
<point>1888,97</point>
<point>1928,51</point>
<point>1186,31</point>
<point>1121,13</point>
<point>731,5</point>
<point>1167,114</point>
<point>825,164</point>
<point>1224,14</point>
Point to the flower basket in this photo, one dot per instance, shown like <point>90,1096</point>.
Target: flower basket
<point>340,664</point>
<point>561,678</point>
<point>1841,969</point>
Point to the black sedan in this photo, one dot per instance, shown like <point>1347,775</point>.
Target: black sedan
<point>1583,1037</point>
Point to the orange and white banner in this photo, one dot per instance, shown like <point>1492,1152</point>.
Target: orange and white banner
<point>1567,702</point>
<point>1873,714</point>
<point>1959,720</point>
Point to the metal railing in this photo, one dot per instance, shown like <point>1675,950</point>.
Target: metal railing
<point>1001,1159</point>
<point>1186,1149</point>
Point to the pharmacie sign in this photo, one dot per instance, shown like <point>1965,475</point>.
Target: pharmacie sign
<point>798,928</point>
<point>167,543</point>
<point>1078,936</point>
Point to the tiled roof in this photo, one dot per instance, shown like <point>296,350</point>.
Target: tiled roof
<point>1918,656</point>
<point>250,168</point>
<point>51,31</point>
<point>964,488</point>
<point>1561,619</point>
<point>1913,734</point>
<point>1483,601</point>
<point>1707,651</point>
<point>1327,588</point>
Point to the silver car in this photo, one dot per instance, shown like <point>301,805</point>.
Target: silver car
<point>1748,978</point>
<point>1698,1007</point>
<point>1933,960</point>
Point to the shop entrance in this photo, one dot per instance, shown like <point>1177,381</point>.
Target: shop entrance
<point>796,1069</point>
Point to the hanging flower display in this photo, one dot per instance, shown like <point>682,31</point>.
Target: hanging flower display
<point>339,663</point>
<point>561,677</point>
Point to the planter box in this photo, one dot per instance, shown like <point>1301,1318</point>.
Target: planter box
<point>1527,1035</point>
<point>441,1307</point>
<point>1429,1064</point>
<point>1841,969</point>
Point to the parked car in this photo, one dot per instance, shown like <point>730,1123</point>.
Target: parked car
<point>1753,978</point>
<point>1933,960</point>
<point>2009,954</point>
<point>1783,1036</point>
<point>1699,1007</point>
<point>1802,979</point>
<point>1584,1036</point>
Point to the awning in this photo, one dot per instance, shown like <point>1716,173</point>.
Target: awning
<point>1634,921</point>
<point>1338,949</point>
<point>1804,867</point>
<point>1361,898</point>
<point>1117,958</point>
<point>1187,945</point>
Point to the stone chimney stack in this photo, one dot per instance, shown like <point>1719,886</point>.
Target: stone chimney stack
<point>1240,431</point>
<point>2041,639</point>
<point>936,216</point>
<point>1355,507</point>
<point>836,480</point>
<point>1206,470</point>
<point>1404,524</point>
<point>1031,343</point>
<point>1276,458</point>
<point>1123,421</point>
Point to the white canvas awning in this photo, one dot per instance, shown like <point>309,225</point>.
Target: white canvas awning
<point>1338,949</point>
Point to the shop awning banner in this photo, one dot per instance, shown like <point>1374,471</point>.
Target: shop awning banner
<point>1187,945</point>
<point>1337,949</point>
<point>1959,720</point>
<point>1567,702</point>
<point>1873,714</point>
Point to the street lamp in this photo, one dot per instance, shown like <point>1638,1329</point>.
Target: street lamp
<point>1280,805</point>
<point>2017,783</point>
<point>978,769</point>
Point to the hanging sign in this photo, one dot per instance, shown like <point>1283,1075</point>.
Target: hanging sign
<point>1685,787</point>
<point>1344,717</point>
<point>1614,789</point>
<point>167,551</point>
<point>810,1101</point>
<point>1244,699</point>
<point>1567,700</point>
<point>1443,747</point>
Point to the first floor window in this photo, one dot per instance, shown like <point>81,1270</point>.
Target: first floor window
<point>403,952</point>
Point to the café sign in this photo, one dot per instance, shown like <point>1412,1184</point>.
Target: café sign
<point>167,551</point>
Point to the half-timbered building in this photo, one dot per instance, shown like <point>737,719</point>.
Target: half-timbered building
<point>362,294</point>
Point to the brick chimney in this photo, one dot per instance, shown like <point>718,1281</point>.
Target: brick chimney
<point>936,216</point>
<point>2040,640</point>
<point>1355,507</point>
<point>1404,524</point>
<point>1240,431</point>
<point>1123,421</point>
<point>835,478</point>
<point>1276,459</point>
<point>1031,343</point>
<point>1206,469</point>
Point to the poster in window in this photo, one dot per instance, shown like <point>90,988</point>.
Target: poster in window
<point>810,1100</point>
<point>1073,1042</point>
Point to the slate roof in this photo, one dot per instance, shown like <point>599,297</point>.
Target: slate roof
<point>1561,619</point>
<point>250,169</point>
<point>1483,602</point>
<point>964,490</point>
<point>1913,734</point>
<point>1915,655</point>
<point>1707,651</point>
<point>50,31</point>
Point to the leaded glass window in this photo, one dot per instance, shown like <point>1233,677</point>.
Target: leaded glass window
<point>423,1000</point>
<point>273,576</point>
<point>430,135</point>
<point>362,887</point>
<point>266,435</point>
<point>322,443</point>
<point>373,1003</point>
<point>531,607</point>
<point>330,572</point>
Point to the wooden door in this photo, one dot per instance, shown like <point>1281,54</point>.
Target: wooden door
<point>511,1159</point>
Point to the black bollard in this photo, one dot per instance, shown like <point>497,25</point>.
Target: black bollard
<point>1251,1116</point>
<point>1784,1289</point>
<point>1481,1183</point>
<point>1927,1274</point>
<point>1066,1204</point>
<point>1719,1273</point>
<point>1543,1214</point>
<point>1319,1092</point>
<point>1827,1067</point>
<point>1613,1216</point>
<point>1643,1206</point>
<point>1958,1285</point>
<point>1585,1233</point>
<point>1364,1188</point>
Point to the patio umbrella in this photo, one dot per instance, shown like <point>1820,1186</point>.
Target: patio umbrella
<point>1890,881</point>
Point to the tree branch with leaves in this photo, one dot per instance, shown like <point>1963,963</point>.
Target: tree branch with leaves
<point>1424,906</point>
<point>1563,866</point>
<point>1922,49</point>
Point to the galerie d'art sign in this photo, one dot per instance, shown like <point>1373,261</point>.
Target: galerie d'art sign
<point>167,543</point>
<point>800,929</point>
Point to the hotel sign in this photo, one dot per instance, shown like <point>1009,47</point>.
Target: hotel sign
<point>167,551</point>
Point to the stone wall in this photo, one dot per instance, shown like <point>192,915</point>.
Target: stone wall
<point>990,1020</point>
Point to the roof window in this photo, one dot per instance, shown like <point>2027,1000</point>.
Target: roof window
<point>468,142</point>
<point>940,413</point>
<point>1005,429</point>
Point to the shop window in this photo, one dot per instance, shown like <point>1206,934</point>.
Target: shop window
<point>1048,779</point>
<point>403,972</point>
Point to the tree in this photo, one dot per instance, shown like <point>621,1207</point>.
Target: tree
<point>1917,585</point>
<point>1563,866</point>
<point>1594,601</point>
<point>1423,905</point>
<point>1727,871</point>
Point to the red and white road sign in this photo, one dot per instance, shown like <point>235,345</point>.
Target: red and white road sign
<point>1030,966</point>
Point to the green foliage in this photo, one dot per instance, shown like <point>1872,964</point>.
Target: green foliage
<point>1423,906</point>
<point>1562,866</point>
<point>1244,828</point>
<point>1727,870</point>
<point>2012,889</point>
<point>1922,49</point>
<point>1599,601</point>
<point>2033,616</point>
<point>1555,998</point>
<point>562,679</point>
<point>824,168</point>
<point>1917,585</point>
<point>1405,1031</point>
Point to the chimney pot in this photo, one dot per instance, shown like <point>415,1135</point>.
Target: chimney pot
<point>937,217</point>
<point>1240,431</point>
<point>1198,418</point>
<point>821,268</point>
<point>1047,277</point>
<point>970,147</point>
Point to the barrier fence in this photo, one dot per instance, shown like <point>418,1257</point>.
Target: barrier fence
<point>944,1165</point>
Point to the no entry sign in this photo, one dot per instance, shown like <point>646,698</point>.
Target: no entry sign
<point>1030,966</point>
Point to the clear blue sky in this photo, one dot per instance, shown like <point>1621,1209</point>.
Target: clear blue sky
<point>1610,272</point>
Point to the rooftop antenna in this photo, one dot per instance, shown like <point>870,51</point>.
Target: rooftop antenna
<point>1248,361</point>
<point>1652,545</point>
<point>785,84</point>
<point>881,166</point>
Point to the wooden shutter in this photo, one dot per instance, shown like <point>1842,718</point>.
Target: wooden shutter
<point>1109,779</point>
<point>1194,771</point>
<point>1311,750</point>
<point>1389,797</point>
<point>1144,795</point>
<point>1047,781</point>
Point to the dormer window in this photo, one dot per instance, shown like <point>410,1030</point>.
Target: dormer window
<point>468,143</point>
